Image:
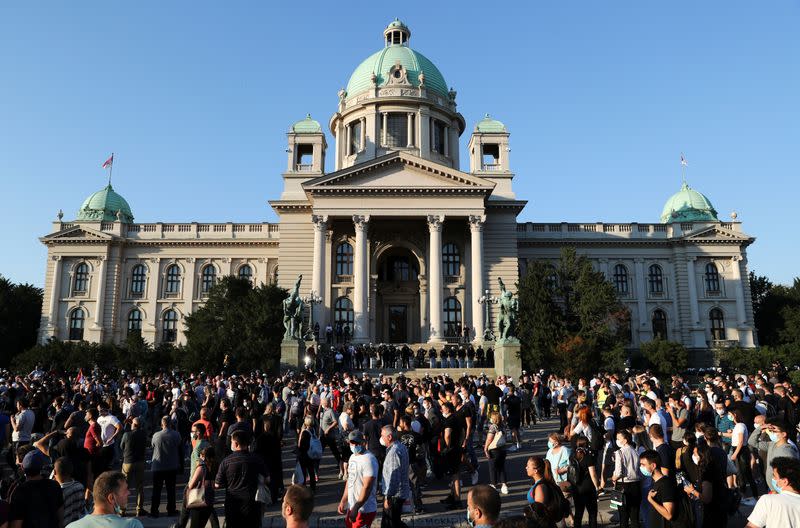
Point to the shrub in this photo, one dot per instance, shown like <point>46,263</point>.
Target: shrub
<point>665,357</point>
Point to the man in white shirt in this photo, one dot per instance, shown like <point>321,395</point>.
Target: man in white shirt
<point>359,504</point>
<point>22,424</point>
<point>781,509</point>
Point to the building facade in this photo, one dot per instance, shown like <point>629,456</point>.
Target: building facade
<point>398,241</point>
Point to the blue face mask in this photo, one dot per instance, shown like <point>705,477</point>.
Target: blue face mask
<point>646,472</point>
<point>470,520</point>
<point>775,486</point>
<point>357,449</point>
<point>773,437</point>
<point>550,444</point>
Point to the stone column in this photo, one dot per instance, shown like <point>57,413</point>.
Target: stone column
<point>383,128</point>
<point>349,137</point>
<point>738,290</point>
<point>410,130</point>
<point>476,288</point>
<point>692,291</point>
<point>361,139</point>
<point>318,264</point>
<point>641,300</point>
<point>189,283</point>
<point>55,294</point>
<point>446,141</point>
<point>435,277</point>
<point>361,279</point>
<point>101,292</point>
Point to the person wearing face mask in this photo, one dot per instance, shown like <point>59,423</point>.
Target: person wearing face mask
<point>783,508</point>
<point>626,474</point>
<point>110,492</point>
<point>706,488</point>
<point>134,445</point>
<point>664,497</point>
<point>774,439</point>
<point>358,503</point>
<point>724,425</point>
<point>483,506</point>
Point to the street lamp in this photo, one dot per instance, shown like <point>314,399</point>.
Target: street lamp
<point>311,300</point>
<point>487,300</point>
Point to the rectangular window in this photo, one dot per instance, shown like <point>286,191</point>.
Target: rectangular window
<point>437,137</point>
<point>396,130</point>
<point>355,137</point>
<point>304,157</point>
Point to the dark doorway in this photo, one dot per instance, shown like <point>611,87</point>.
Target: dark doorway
<point>398,323</point>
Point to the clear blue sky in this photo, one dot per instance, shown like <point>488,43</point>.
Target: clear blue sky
<point>601,98</point>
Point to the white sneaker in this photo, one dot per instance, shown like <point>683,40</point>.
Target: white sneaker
<point>475,477</point>
<point>492,486</point>
<point>504,489</point>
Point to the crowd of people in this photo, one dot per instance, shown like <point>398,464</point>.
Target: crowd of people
<point>678,453</point>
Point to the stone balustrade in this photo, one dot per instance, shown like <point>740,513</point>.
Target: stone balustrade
<point>196,230</point>
<point>600,230</point>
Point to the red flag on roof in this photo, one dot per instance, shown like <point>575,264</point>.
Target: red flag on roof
<point>109,162</point>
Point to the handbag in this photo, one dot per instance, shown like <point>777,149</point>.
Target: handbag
<point>498,441</point>
<point>262,495</point>
<point>314,447</point>
<point>196,497</point>
<point>617,498</point>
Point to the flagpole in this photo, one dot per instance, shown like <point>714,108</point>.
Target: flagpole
<point>110,169</point>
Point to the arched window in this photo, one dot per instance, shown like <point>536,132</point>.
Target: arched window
<point>621,279</point>
<point>138,278</point>
<point>656,279</point>
<point>81,278</point>
<point>717,324</point>
<point>343,311</point>
<point>170,334</point>
<point>209,278</point>
<point>173,279</point>
<point>452,317</point>
<point>246,272</point>
<point>344,259</point>
<point>135,322</point>
<point>712,277</point>
<point>76,320</point>
<point>659,325</point>
<point>451,260</point>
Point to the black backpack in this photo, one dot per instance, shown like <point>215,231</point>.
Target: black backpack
<point>574,474</point>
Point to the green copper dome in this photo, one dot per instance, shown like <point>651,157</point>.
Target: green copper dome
<point>380,63</point>
<point>103,206</point>
<point>307,126</point>
<point>489,125</point>
<point>688,205</point>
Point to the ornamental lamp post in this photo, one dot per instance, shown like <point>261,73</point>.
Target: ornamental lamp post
<point>311,300</point>
<point>487,300</point>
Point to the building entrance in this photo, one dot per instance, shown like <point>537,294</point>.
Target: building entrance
<point>398,323</point>
<point>397,297</point>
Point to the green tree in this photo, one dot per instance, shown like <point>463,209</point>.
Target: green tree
<point>665,357</point>
<point>20,314</point>
<point>238,320</point>
<point>570,317</point>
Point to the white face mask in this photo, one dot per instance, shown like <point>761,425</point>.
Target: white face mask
<point>696,459</point>
<point>383,442</point>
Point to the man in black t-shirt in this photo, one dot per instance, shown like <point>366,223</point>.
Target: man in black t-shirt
<point>452,438</point>
<point>238,474</point>
<point>664,497</point>
<point>37,501</point>
<point>416,460</point>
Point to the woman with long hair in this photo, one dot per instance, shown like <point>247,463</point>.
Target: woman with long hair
<point>307,464</point>
<point>740,453</point>
<point>268,446</point>
<point>203,477</point>
<point>707,488</point>
<point>495,451</point>
<point>544,490</point>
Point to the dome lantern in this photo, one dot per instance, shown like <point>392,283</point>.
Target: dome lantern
<point>396,34</point>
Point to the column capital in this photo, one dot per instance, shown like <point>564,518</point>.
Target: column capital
<point>736,258</point>
<point>361,222</point>
<point>320,222</point>
<point>435,223</point>
<point>476,222</point>
<point>100,258</point>
<point>55,257</point>
<point>691,259</point>
<point>638,260</point>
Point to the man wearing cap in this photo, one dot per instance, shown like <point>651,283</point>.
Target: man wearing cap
<point>37,501</point>
<point>358,503</point>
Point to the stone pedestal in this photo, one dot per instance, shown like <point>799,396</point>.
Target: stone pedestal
<point>506,359</point>
<point>293,352</point>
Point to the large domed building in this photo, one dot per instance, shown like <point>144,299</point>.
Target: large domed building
<point>399,241</point>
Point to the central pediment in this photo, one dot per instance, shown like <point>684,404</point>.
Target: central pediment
<point>401,173</point>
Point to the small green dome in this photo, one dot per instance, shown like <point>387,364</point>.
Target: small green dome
<point>307,126</point>
<point>381,62</point>
<point>103,206</point>
<point>688,205</point>
<point>396,23</point>
<point>489,125</point>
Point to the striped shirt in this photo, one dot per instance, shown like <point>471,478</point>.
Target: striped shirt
<point>395,472</point>
<point>74,505</point>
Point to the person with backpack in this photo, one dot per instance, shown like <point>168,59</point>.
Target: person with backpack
<point>495,450</point>
<point>309,450</point>
<point>582,476</point>
<point>666,500</point>
<point>545,491</point>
